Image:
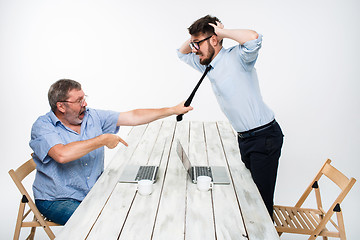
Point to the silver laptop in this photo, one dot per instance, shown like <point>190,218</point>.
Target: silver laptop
<point>218,174</point>
<point>135,173</point>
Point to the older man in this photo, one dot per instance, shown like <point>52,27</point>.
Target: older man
<point>68,144</point>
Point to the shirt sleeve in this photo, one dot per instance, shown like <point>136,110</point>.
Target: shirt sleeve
<point>43,138</point>
<point>191,59</point>
<point>249,50</point>
<point>108,121</point>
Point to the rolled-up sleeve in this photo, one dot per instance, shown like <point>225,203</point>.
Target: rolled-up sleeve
<point>191,60</point>
<point>250,49</point>
<point>43,138</point>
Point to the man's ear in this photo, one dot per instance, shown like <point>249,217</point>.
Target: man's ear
<point>60,107</point>
<point>214,41</point>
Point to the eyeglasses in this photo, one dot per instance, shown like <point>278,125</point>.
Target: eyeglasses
<point>80,101</point>
<point>196,45</point>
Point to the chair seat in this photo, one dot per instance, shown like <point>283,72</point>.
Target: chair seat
<point>296,219</point>
<point>35,223</point>
<point>300,220</point>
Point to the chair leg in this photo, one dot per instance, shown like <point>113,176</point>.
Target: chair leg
<point>32,232</point>
<point>340,221</point>
<point>31,235</point>
<point>49,233</point>
<point>19,220</point>
<point>46,228</point>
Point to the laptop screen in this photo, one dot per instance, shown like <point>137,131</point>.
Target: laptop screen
<point>184,159</point>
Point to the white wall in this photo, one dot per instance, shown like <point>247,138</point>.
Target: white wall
<point>123,52</point>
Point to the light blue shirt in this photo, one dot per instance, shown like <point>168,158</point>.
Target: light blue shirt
<point>73,180</point>
<point>235,84</point>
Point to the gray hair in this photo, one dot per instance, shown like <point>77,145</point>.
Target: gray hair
<point>59,91</point>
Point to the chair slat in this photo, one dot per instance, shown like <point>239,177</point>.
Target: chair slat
<point>310,217</point>
<point>297,215</point>
<point>291,215</point>
<point>315,217</point>
<point>308,223</point>
<point>276,218</point>
<point>288,220</point>
<point>281,217</point>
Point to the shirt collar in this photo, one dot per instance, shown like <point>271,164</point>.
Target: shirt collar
<point>54,119</point>
<point>217,57</point>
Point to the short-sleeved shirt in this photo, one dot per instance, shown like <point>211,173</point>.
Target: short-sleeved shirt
<point>72,180</point>
<point>235,84</point>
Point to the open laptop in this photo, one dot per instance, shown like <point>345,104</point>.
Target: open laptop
<point>135,173</point>
<point>218,174</point>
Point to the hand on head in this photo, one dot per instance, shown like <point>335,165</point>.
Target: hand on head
<point>217,29</point>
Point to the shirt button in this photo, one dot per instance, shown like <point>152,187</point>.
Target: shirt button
<point>85,164</point>
<point>88,178</point>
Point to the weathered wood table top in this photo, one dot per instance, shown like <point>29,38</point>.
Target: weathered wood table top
<point>175,209</point>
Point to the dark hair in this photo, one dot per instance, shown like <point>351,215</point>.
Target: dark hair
<point>59,91</point>
<point>202,25</point>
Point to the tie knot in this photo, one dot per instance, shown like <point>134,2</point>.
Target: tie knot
<point>208,68</point>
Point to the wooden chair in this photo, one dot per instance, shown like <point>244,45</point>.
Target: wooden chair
<point>314,222</point>
<point>38,221</point>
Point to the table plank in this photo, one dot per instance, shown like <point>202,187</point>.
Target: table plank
<point>169,223</point>
<point>120,202</point>
<point>229,223</point>
<point>125,195</point>
<point>146,145</point>
<point>140,221</point>
<point>258,223</point>
<point>199,214</point>
<point>81,222</point>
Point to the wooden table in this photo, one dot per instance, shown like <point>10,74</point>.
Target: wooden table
<point>175,209</point>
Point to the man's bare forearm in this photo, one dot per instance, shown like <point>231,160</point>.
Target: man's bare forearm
<point>142,116</point>
<point>185,47</point>
<point>75,150</point>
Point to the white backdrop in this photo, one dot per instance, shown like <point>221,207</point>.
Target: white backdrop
<point>123,53</point>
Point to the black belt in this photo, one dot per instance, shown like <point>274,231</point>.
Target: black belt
<point>254,131</point>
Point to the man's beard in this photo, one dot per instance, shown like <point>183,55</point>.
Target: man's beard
<point>76,118</point>
<point>207,61</point>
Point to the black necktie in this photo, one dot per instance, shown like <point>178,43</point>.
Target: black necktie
<point>188,101</point>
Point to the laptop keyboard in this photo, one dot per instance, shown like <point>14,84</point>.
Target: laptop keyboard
<point>145,172</point>
<point>203,171</point>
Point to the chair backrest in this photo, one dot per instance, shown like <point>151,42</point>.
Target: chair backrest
<point>344,183</point>
<point>335,175</point>
<point>20,173</point>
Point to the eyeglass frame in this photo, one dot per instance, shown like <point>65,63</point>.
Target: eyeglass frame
<point>196,45</point>
<point>81,101</point>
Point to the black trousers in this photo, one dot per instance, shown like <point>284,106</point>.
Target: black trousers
<point>260,154</point>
